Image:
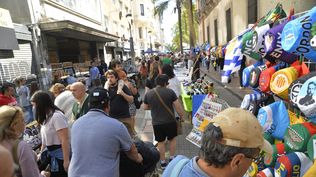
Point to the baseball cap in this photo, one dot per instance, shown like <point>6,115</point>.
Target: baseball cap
<point>296,86</point>
<point>246,73</point>
<point>298,135</point>
<point>247,45</point>
<point>266,75</point>
<point>267,172</point>
<point>272,44</point>
<point>255,75</point>
<point>281,80</point>
<point>258,41</point>
<point>162,79</point>
<point>274,119</point>
<point>293,164</point>
<point>278,150</point>
<point>98,95</point>
<point>240,128</point>
<point>311,147</point>
<point>294,32</point>
<point>307,103</point>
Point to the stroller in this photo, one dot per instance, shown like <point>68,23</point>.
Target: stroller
<point>129,168</point>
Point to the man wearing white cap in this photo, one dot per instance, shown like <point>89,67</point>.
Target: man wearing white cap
<point>230,143</point>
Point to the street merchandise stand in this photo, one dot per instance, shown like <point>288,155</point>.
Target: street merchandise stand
<point>186,99</point>
<point>283,48</point>
<point>192,94</point>
<point>210,106</point>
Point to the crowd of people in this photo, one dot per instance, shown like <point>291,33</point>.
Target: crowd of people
<point>89,130</point>
<point>86,123</point>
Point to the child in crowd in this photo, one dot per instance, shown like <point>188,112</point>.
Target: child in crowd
<point>117,67</point>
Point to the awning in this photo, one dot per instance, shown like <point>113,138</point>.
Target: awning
<point>70,29</point>
<point>7,34</point>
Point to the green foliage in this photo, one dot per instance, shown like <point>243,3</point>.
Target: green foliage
<point>171,47</point>
<point>185,27</point>
<point>160,8</point>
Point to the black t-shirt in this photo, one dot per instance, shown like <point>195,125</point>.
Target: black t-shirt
<point>119,107</point>
<point>159,113</point>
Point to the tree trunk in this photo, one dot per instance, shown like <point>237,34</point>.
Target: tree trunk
<point>192,36</point>
<point>179,23</point>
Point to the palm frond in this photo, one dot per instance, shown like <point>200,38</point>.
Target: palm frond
<point>160,8</point>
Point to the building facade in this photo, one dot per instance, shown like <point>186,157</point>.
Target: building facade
<point>56,34</point>
<point>15,47</point>
<point>116,22</point>
<point>222,20</point>
<point>146,28</point>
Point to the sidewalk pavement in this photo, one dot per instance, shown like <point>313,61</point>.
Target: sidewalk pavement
<point>233,87</point>
<point>144,129</point>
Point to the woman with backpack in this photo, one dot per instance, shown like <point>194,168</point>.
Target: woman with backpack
<point>12,126</point>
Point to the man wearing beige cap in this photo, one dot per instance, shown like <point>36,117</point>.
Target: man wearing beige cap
<point>230,143</point>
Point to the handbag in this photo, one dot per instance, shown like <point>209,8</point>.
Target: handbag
<point>137,102</point>
<point>178,121</point>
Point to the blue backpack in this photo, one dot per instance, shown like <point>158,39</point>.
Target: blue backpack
<point>175,166</point>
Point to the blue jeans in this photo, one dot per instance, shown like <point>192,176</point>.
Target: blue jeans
<point>28,114</point>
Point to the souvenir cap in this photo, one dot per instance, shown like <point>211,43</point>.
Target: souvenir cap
<point>297,136</point>
<point>306,99</point>
<point>281,81</point>
<point>274,119</point>
<point>311,147</point>
<point>296,86</point>
<point>296,163</point>
<point>298,35</point>
<point>278,150</point>
<point>267,172</point>
<point>272,45</point>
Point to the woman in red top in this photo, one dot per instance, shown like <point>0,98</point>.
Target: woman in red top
<point>7,95</point>
<point>143,71</point>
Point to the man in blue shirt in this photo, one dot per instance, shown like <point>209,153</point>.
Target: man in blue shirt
<point>94,72</point>
<point>230,143</point>
<point>97,140</point>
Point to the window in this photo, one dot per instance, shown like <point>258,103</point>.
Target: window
<point>228,25</point>
<point>106,23</point>
<point>252,11</point>
<point>140,31</point>
<point>216,32</point>
<point>142,12</point>
<point>126,10</point>
<point>122,29</point>
<point>115,27</point>
<point>208,34</point>
<point>121,6</point>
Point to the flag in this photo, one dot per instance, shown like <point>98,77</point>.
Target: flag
<point>233,58</point>
<point>207,47</point>
<point>272,15</point>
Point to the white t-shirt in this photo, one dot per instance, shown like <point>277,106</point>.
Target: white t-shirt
<point>174,84</point>
<point>49,129</point>
<point>65,101</point>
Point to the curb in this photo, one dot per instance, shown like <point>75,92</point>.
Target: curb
<point>223,85</point>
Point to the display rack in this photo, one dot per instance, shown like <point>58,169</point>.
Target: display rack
<point>209,108</point>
